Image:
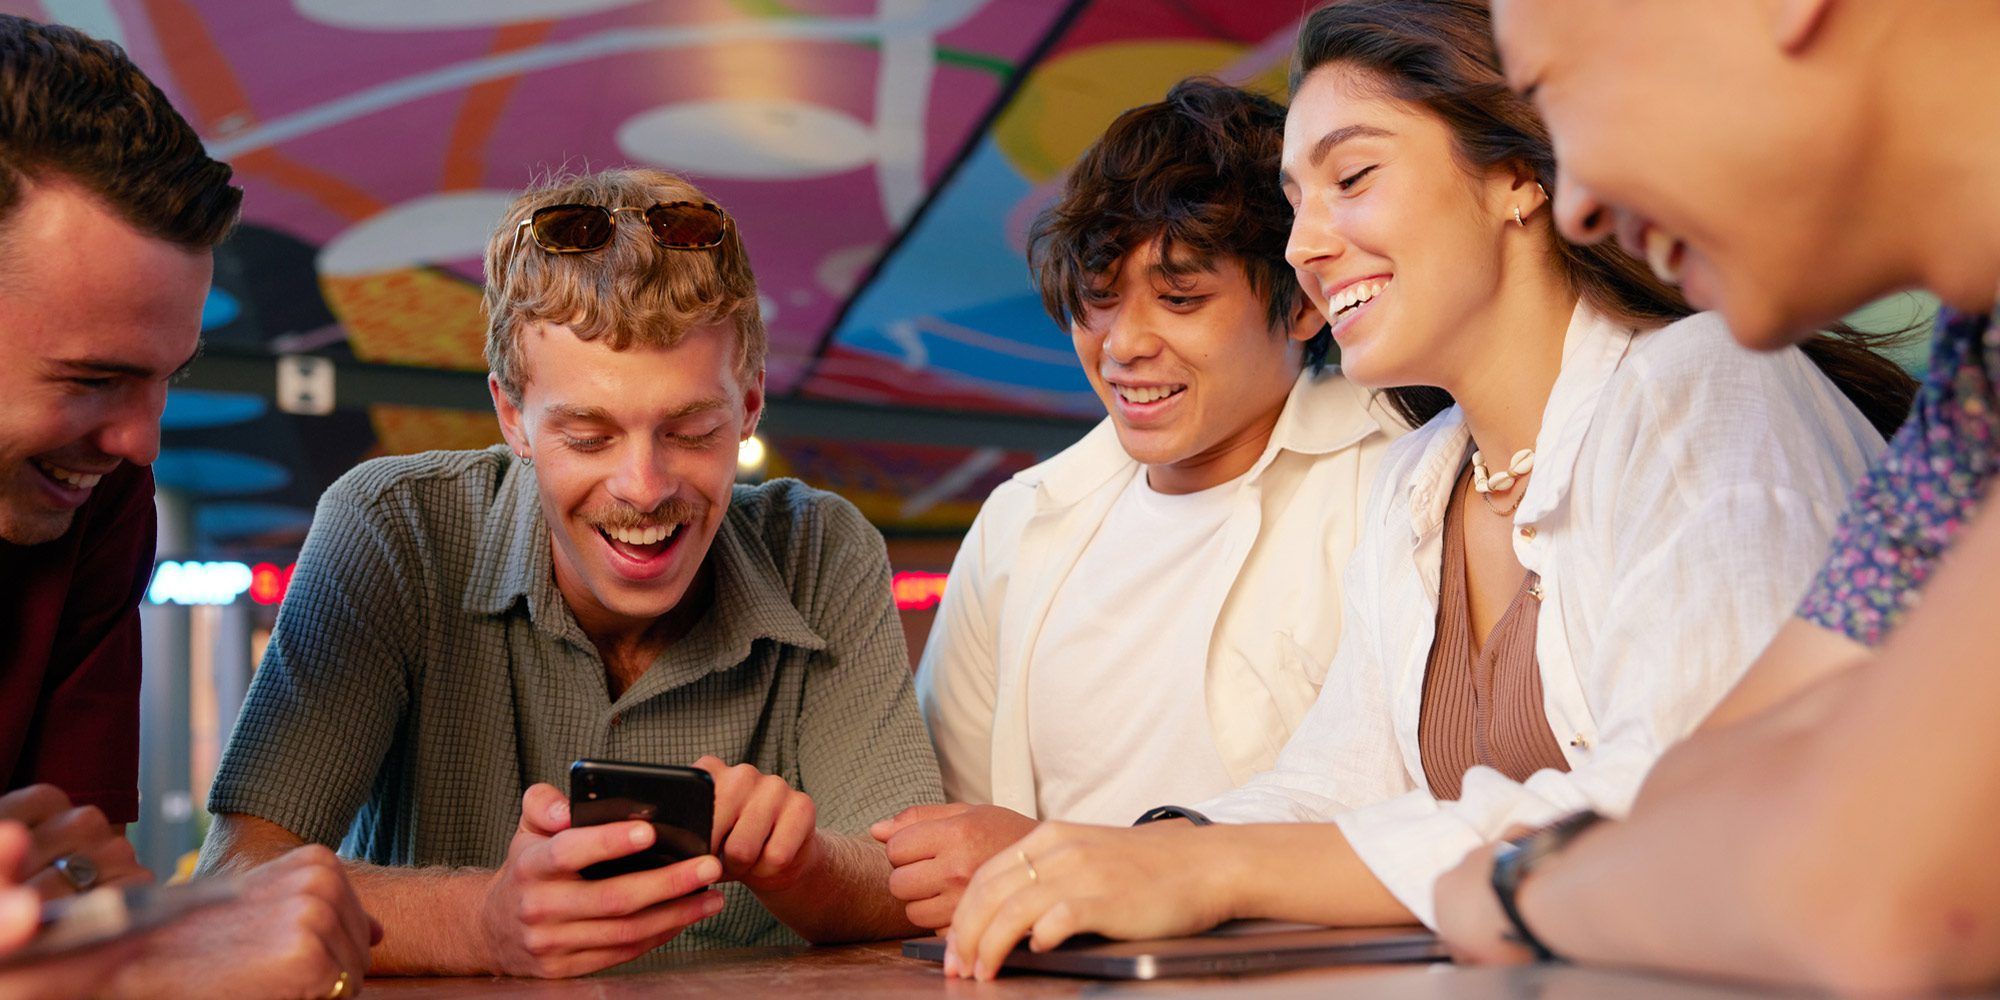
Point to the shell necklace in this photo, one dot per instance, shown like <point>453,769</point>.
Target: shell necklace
<point>1519,466</point>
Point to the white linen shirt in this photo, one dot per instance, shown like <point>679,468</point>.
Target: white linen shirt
<point>1683,494</point>
<point>1270,600</point>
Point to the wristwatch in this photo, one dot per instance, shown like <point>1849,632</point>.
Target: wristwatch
<point>1158,813</point>
<point>1516,859</point>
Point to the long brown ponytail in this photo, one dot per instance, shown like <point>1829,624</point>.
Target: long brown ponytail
<point>1440,54</point>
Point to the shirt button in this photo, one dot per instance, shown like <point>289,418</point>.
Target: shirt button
<point>1528,531</point>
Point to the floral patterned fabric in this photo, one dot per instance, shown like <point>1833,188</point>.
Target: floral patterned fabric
<point>1911,507</point>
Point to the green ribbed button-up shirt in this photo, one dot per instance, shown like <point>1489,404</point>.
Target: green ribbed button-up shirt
<point>424,671</point>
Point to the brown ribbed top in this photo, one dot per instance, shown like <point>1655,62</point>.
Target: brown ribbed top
<point>1482,706</point>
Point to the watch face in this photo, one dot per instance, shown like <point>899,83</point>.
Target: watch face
<point>1507,860</point>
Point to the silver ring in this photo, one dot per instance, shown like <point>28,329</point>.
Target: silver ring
<point>80,872</point>
<point>1033,875</point>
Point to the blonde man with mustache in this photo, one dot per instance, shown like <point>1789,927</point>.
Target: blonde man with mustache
<point>463,625</point>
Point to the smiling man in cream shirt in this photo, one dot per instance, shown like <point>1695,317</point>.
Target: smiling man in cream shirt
<point>1145,617</point>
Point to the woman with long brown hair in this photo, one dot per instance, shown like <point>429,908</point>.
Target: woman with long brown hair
<point>1609,510</point>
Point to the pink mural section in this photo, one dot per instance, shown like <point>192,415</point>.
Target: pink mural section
<point>389,134</point>
<point>880,157</point>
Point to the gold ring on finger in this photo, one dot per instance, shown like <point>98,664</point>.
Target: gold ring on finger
<point>339,987</point>
<point>1033,875</point>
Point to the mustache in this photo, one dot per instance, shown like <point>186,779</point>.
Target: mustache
<point>622,516</point>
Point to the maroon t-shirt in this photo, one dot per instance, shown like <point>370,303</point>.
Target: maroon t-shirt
<point>69,649</point>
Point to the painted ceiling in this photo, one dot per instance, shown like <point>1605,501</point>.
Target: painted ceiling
<point>882,159</point>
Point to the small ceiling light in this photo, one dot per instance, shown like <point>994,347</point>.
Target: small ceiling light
<point>750,455</point>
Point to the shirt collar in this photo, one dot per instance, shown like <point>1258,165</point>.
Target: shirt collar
<point>1324,413</point>
<point>513,564</point>
<point>512,561</point>
<point>1593,346</point>
<point>752,599</point>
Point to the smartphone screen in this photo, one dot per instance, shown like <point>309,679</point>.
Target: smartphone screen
<point>678,801</point>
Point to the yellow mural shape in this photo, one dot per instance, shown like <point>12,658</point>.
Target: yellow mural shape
<point>406,430</point>
<point>410,316</point>
<point>1070,99</point>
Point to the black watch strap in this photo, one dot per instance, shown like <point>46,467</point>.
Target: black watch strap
<point>1516,860</point>
<point>1158,813</point>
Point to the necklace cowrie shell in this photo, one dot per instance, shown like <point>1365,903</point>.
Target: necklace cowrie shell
<point>1486,482</point>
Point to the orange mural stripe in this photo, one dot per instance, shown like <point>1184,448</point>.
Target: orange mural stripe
<point>219,101</point>
<point>465,153</point>
<point>197,64</point>
<point>345,199</point>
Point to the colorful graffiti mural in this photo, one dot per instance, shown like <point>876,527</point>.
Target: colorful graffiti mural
<point>882,159</point>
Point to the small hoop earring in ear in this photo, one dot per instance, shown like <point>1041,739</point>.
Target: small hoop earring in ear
<point>526,459</point>
<point>1517,218</point>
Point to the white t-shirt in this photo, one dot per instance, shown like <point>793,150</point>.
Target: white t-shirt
<point>1117,706</point>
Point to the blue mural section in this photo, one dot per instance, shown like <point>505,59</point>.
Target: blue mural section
<point>978,333</point>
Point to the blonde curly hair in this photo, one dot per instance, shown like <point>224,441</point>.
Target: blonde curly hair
<point>631,292</point>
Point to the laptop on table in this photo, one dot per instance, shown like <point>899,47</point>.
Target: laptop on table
<point>1236,947</point>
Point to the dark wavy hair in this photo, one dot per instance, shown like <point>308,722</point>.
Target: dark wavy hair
<point>76,109</point>
<point>1197,170</point>
<point>1440,55</point>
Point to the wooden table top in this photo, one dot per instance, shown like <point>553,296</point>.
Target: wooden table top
<point>869,970</point>
<point>880,970</point>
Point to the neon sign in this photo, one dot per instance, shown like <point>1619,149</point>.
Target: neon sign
<point>198,583</point>
<point>268,582</point>
<point>917,591</point>
<point>218,582</point>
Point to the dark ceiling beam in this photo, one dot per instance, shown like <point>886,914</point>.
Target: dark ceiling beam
<point>358,385</point>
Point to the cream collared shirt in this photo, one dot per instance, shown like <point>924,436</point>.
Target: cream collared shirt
<point>1271,600</point>
<point>1683,494</point>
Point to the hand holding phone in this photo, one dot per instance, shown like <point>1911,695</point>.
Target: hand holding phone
<point>678,801</point>
<point>539,917</point>
<point>766,831</point>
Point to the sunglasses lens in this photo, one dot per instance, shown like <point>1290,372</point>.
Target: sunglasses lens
<point>686,225</point>
<point>572,227</point>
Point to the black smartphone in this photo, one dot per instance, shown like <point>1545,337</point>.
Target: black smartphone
<point>678,801</point>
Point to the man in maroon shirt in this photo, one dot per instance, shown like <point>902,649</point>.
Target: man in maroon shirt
<point>109,212</point>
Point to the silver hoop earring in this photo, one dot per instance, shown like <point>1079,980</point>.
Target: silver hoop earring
<point>526,459</point>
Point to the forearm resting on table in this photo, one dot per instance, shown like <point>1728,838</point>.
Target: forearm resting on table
<point>844,897</point>
<point>1719,749</point>
<point>1776,849</point>
<point>1687,884</point>
<point>428,915</point>
<point>1845,844</point>
<point>1304,872</point>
